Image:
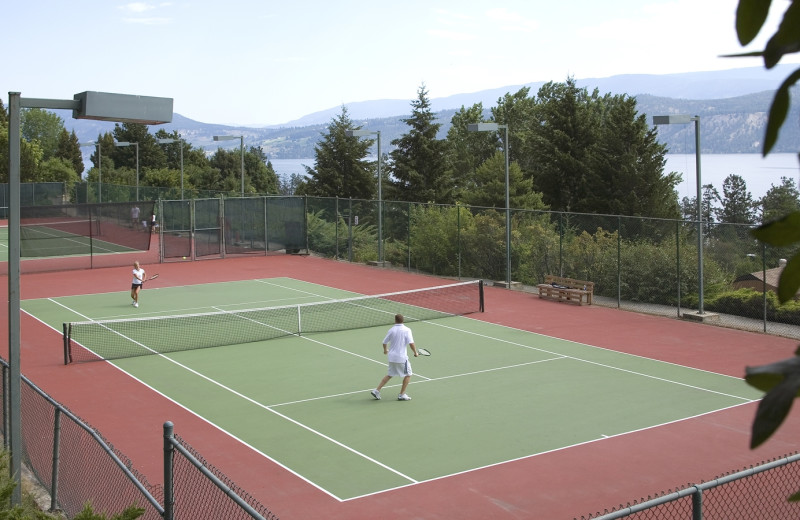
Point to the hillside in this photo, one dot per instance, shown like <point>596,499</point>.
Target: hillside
<point>732,106</point>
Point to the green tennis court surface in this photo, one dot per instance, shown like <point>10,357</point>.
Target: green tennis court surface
<point>487,395</point>
<point>58,239</point>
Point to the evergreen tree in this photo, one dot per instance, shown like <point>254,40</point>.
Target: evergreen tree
<point>738,206</point>
<point>490,186</point>
<point>69,150</point>
<point>465,150</point>
<point>260,172</point>
<point>518,111</point>
<point>627,164</point>
<point>418,163</point>
<point>565,133</point>
<point>594,154</point>
<point>340,165</point>
<point>710,196</point>
<point>151,154</point>
<point>780,201</point>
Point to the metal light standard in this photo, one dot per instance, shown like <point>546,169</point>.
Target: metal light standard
<point>170,141</point>
<point>241,140</point>
<point>100,106</point>
<point>682,120</point>
<point>494,127</point>
<point>99,168</point>
<point>362,133</point>
<point>126,143</point>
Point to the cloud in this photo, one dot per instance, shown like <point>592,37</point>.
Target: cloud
<point>134,10</point>
<point>137,7</point>
<point>455,36</point>
<point>148,21</point>
<point>511,21</point>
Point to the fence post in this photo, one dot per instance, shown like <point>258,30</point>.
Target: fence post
<point>678,263</point>
<point>560,244</point>
<point>221,220</point>
<point>619,262</point>
<point>169,450</point>
<point>56,457</point>
<point>764,282</point>
<point>697,504</point>
<point>458,239</point>
<point>6,408</point>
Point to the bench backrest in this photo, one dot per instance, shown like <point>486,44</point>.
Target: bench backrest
<point>572,283</point>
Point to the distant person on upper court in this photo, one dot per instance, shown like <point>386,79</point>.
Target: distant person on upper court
<point>139,277</point>
<point>134,217</point>
<point>394,346</point>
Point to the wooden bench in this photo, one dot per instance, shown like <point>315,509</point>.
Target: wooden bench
<point>566,290</point>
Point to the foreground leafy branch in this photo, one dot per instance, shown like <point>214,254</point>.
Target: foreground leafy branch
<point>781,380</point>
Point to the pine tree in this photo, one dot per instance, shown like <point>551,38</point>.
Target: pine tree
<point>738,206</point>
<point>70,150</point>
<point>779,201</point>
<point>340,165</point>
<point>418,163</point>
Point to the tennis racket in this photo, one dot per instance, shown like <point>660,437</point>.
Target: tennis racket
<point>153,277</point>
<point>423,351</point>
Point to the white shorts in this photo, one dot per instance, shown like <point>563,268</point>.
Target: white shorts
<point>399,369</point>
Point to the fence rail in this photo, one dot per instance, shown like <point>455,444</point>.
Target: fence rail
<point>756,492</point>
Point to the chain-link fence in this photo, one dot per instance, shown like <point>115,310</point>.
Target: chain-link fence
<point>232,226</point>
<point>77,465</point>
<point>34,194</point>
<point>757,492</point>
<point>636,263</point>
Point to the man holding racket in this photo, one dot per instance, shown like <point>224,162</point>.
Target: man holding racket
<point>139,276</point>
<point>394,346</point>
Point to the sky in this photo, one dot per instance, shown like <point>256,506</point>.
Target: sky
<point>264,62</point>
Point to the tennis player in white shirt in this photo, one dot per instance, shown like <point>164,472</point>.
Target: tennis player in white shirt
<point>394,346</point>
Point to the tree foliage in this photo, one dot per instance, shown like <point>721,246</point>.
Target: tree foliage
<point>341,168</point>
<point>595,154</point>
<point>418,164</point>
<point>781,380</point>
<point>780,200</point>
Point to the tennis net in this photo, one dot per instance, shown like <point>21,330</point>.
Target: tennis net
<point>122,338</point>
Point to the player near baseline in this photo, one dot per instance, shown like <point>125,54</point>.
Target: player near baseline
<point>139,276</point>
<point>394,346</point>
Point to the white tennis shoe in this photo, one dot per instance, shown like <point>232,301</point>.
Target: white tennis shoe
<point>403,397</point>
<point>375,394</point>
<point>135,304</point>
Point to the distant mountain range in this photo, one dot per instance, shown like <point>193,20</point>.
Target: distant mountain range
<point>732,105</point>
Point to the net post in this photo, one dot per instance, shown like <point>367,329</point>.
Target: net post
<point>480,295</point>
<point>299,322</point>
<point>66,344</point>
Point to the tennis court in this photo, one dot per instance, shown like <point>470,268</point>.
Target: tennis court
<point>488,395</point>
<point>61,239</point>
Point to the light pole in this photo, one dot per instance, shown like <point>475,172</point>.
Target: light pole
<point>100,106</point>
<point>126,143</point>
<point>682,120</point>
<point>362,133</point>
<point>99,168</point>
<point>494,127</point>
<point>241,141</point>
<point>170,141</point>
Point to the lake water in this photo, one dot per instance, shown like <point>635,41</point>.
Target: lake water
<point>758,173</point>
